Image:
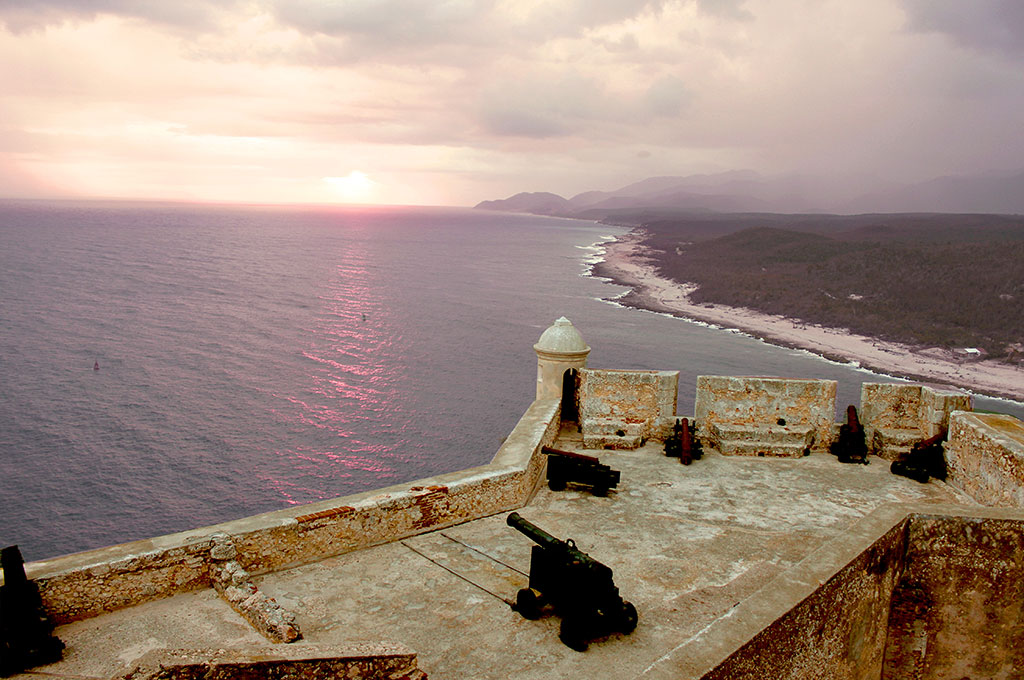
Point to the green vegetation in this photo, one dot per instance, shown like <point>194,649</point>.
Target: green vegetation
<point>923,280</point>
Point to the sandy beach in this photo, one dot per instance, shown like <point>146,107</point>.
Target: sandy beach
<point>627,263</point>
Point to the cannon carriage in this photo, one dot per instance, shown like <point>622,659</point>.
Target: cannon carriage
<point>567,467</point>
<point>577,587</point>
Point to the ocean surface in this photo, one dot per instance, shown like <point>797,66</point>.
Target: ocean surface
<point>251,358</point>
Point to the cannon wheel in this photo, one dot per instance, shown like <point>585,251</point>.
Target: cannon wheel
<point>629,618</point>
<point>572,634</point>
<point>529,603</point>
<point>600,490</point>
<point>556,484</point>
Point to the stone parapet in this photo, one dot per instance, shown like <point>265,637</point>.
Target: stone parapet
<point>612,400</point>
<point>985,457</point>
<point>895,416</point>
<point>764,409</point>
<point>89,583</point>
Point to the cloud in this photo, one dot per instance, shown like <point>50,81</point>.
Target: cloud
<point>539,103</point>
<point>624,43</point>
<point>731,9</point>
<point>983,25</point>
<point>396,23</point>
<point>478,93</point>
<point>20,16</point>
<point>521,123</point>
<point>344,32</point>
<point>449,31</point>
<point>667,96</point>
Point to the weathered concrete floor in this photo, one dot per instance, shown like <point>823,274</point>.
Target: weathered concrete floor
<point>686,543</point>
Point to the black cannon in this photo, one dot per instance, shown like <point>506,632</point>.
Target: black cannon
<point>926,459</point>
<point>576,586</point>
<point>851,446</point>
<point>566,467</point>
<point>26,634</point>
<point>683,442</point>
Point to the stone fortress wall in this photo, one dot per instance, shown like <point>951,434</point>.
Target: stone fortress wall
<point>986,459</point>
<point>89,583</point>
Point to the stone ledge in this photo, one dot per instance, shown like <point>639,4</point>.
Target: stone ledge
<point>359,661</point>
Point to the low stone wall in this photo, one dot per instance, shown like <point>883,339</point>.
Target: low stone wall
<point>629,398</point>
<point>89,583</point>
<point>751,402</point>
<point>897,415</point>
<point>985,457</point>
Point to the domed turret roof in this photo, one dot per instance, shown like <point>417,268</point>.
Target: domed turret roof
<point>561,338</point>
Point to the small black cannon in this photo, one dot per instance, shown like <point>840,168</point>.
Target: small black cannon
<point>683,442</point>
<point>851,446</point>
<point>565,467</point>
<point>579,588</point>
<point>26,634</point>
<point>926,459</point>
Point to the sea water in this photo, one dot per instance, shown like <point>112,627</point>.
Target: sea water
<point>169,366</point>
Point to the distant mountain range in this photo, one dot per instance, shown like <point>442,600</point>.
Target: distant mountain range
<point>747,191</point>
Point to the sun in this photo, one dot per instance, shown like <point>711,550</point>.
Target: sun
<point>355,187</point>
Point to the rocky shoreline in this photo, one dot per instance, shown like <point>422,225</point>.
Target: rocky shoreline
<point>627,262</point>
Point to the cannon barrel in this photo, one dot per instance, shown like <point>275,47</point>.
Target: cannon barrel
<point>13,566</point>
<point>532,531</point>
<point>934,440</point>
<point>684,435</point>
<point>852,421</point>
<point>569,454</point>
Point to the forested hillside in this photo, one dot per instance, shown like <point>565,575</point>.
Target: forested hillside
<point>919,281</point>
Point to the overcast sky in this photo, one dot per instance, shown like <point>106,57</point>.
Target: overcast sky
<point>456,101</point>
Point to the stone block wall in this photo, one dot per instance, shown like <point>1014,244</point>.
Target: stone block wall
<point>985,457</point>
<point>936,407</point>
<point>755,401</point>
<point>890,405</point>
<point>959,606</point>
<point>629,397</point>
<point>896,415</point>
<point>90,583</point>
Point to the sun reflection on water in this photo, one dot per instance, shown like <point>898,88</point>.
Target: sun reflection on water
<point>354,369</point>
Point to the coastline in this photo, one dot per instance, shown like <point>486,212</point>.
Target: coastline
<point>626,263</point>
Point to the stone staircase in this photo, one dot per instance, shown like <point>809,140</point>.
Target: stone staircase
<point>612,433</point>
<point>782,441</point>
